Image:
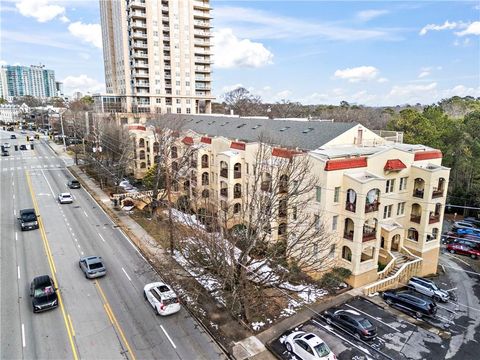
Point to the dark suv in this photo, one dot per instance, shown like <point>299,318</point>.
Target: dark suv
<point>410,302</point>
<point>73,184</point>
<point>28,219</point>
<point>43,293</point>
<point>352,322</point>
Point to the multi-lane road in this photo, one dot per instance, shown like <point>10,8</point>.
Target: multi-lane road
<point>106,318</point>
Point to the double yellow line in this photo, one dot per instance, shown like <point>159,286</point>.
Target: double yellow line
<point>66,318</point>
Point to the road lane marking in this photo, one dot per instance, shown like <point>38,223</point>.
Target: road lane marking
<point>16,236</point>
<point>14,212</point>
<point>373,317</point>
<point>71,325</point>
<point>168,337</point>
<point>13,196</point>
<point>23,336</point>
<point>85,213</point>
<point>50,187</point>
<point>51,264</point>
<point>112,317</point>
<point>101,237</point>
<point>18,272</point>
<point>128,277</point>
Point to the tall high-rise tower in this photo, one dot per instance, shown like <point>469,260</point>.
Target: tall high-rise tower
<point>157,54</point>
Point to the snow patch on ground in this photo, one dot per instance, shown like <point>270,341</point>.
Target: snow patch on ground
<point>257,325</point>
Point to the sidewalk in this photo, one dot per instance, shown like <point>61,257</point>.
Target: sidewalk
<point>252,347</point>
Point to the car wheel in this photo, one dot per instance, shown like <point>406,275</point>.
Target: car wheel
<point>436,298</point>
<point>144,295</point>
<point>452,251</point>
<point>289,347</point>
<point>156,310</point>
<point>418,314</point>
<point>388,301</point>
<point>357,336</point>
<point>86,276</point>
<point>329,321</point>
<point>473,256</point>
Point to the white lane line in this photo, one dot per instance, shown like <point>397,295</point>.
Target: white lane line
<point>14,212</point>
<point>168,337</point>
<point>82,252</point>
<point>128,277</point>
<point>18,272</point>
<point>53,194</point>
<point>13,196</point>
<point>23,336</point>
<point>85,213</point>
<point>373,317</point>
<point>16,236</point>
<point>101,237</point>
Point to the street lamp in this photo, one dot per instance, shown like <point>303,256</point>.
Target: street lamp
<point>60,113</point>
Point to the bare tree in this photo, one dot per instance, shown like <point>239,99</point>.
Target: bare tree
<point>264,234</point>
<point>243,103</point>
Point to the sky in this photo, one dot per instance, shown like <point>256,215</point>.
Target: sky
<point>378,53</point>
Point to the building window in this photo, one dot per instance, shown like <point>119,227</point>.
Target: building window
<point>316,219</point>
<point>403,184</point>
<point>179,110</point>
<point>318,195</point>
<point>189,110</point>
<point>294,213</point>
<point>401,208</point>
<point>315,249</point>
<point>158,101</point>
<point>331,254</point>
<point>334,222</point>
<point>336,195</point>
<point>390,185</point>
<point>237,208</point>
<point>387,211</point>
<point>346,253</point>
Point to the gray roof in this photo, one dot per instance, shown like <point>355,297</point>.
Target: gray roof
<point>305,135</point>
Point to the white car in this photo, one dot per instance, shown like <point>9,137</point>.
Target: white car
<point>124,184</point>
<point>162,298</point>
<point>65,198</point>
<point>308,346</point>
<point>6,145</point>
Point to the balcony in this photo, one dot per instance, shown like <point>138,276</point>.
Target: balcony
<point>202,14</point>
<point>139,35</point>
<point>368,236</point>
<point>202,60</point>
<point>201,4</point>
<point>202,69</point>
<point>203,24</point>
<point>415,218</point>
<point>137,4</point>
<point>138,25</point>
<point>434,218</point>
<point>418,193</point>
<point>139,74</point>
<point>140,55</point>
<point>202,33</point>
<point>137,14</point>
<point>165,8</point>
<point>372,207</point>
<point>224,173</point>
<point>166,38</point>
<point>437,194</point>
<point>348,236</point>
<point>224,192</point>
<point>137,45</point>
<point>201,93</point>
<point>237,174</point>
<point>194,163</point>
<point>140,65</point>
<point>237,194</point>
<point>202,87</point>
<point>201,42</point>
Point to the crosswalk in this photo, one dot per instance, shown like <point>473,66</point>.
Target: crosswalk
<point>32,167</point>
<point>12,158</point>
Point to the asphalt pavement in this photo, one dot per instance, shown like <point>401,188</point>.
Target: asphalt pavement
<point>106,318</point>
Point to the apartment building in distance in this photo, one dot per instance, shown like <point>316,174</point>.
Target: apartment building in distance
<point>34,80</point>
<point>382,199</point>
<point>157,56</point>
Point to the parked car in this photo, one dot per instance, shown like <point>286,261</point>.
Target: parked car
<point>465,247</point>
<point>353,322</point>
<point>23,147</point>
<point>73,184</point>
<point>43,293</point>
<point>124,184</point>
<point>473,221</point>
<point>5,153</point>
<point>162,298</point>
<point>410,302</point>
<point>6,145</point>
<point>28,219</point>
<point>13,136</point>
<point>65,198</point>
<point>466,231</point>
<point>429,288</point>
<point>308,346</point>
<point>463,225</point>
<point>92,266</point>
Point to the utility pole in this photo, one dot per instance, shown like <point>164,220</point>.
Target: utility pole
<point>63,133</point>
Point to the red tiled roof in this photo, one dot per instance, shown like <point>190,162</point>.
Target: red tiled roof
<point>340,164</point>
<point>426,155</point>
<point>237,145</point>
<point>187,140</point>
<point>137,127</point>
<point>206,140</point>
<point>284,153</point>
<point>394,164</point>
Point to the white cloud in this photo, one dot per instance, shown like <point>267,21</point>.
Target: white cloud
<point>445,26</point>
<point>382,80</point>
<point>228,88</point>
<point>464,43</point>
<point>82,83</point>
<point>360,73</point>
<point>41,10</point>
<point>412,93</point>
<point>423,74</point>
<point>472,29</point>
<point>461,90</point>
<point>232,52</point>
<point>3,62</point>
<point>89,33</point>
<point>367,15</point>
<point>283,95</point>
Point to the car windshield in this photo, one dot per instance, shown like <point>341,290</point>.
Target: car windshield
<point>74,182</point>
<point>365,323</point>
<point>169,301</point>
<point>163,288</point>
<point>322,349</point>
<point>28,217</point>
<point>96,265</point>
<point>44,291</point>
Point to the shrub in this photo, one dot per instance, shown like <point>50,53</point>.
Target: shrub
<point>332,280</point>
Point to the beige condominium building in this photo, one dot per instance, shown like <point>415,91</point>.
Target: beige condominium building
<point>383,200</point>
<point>157,55</point>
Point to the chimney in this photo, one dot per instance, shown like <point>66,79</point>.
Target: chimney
<point>359,139</point>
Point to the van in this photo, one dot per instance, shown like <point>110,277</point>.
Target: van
<point>28,219</point>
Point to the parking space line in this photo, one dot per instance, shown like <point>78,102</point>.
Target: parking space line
<point>23,336</point>
<point>85,213</point>
<point>373,317</point>
<point>128,277</point>
<point>168,337</point>
<point>16,236</point>
<point>101,237</point>
<point>18,272</point>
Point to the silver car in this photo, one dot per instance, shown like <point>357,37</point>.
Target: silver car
<point>92,266</point>
<point>65,198</point>
<point>428,288</point>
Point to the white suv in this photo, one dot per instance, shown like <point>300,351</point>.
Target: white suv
<point>429,288</point>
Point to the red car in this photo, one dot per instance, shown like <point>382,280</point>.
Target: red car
<point>465,247</point>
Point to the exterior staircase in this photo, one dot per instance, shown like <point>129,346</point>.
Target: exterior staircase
<point>402,266</point>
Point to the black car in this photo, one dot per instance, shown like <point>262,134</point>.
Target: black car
<point>23,147</point>
<point>406,300</point>
<point>43,293</point>
<point>473,221</point>
<point>5,153</point>
<point>352,322</point>
<point>73,184</point>
<point>28,219</point>
<point>13,136</point>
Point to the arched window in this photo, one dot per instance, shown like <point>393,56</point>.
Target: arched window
<point>266,182</point>
<point>186,185</point>
<point>156,147</point>
<point>349,229</point>
<point>223,189</point>
<point>351,200</point>
<point>141,142</point>
<point>418,188</point>
<point>282,229</point>
<point>157,159</point>
<point>434,235</point>
<point>204,161</point>
<point>141,155</point>
<point>372,201</point>
<point>205,193</point>
<point>205,178</point>
<point>346,253</point>
<point>237,208</point>
<point>370,229</point>
<point>282,208</point>
<point>174,167</point>
<point>237,171</point>
<point>237,191</point>
<point>143,165</point>
<point>283,184</point>
<point>223,169</point>
<point>174,152</point>
<point>416,213</point>
<point>412,234</point>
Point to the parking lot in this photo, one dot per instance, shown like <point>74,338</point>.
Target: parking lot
<point>399,335</point>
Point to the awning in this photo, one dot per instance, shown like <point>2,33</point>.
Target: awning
<point>394,165</point>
